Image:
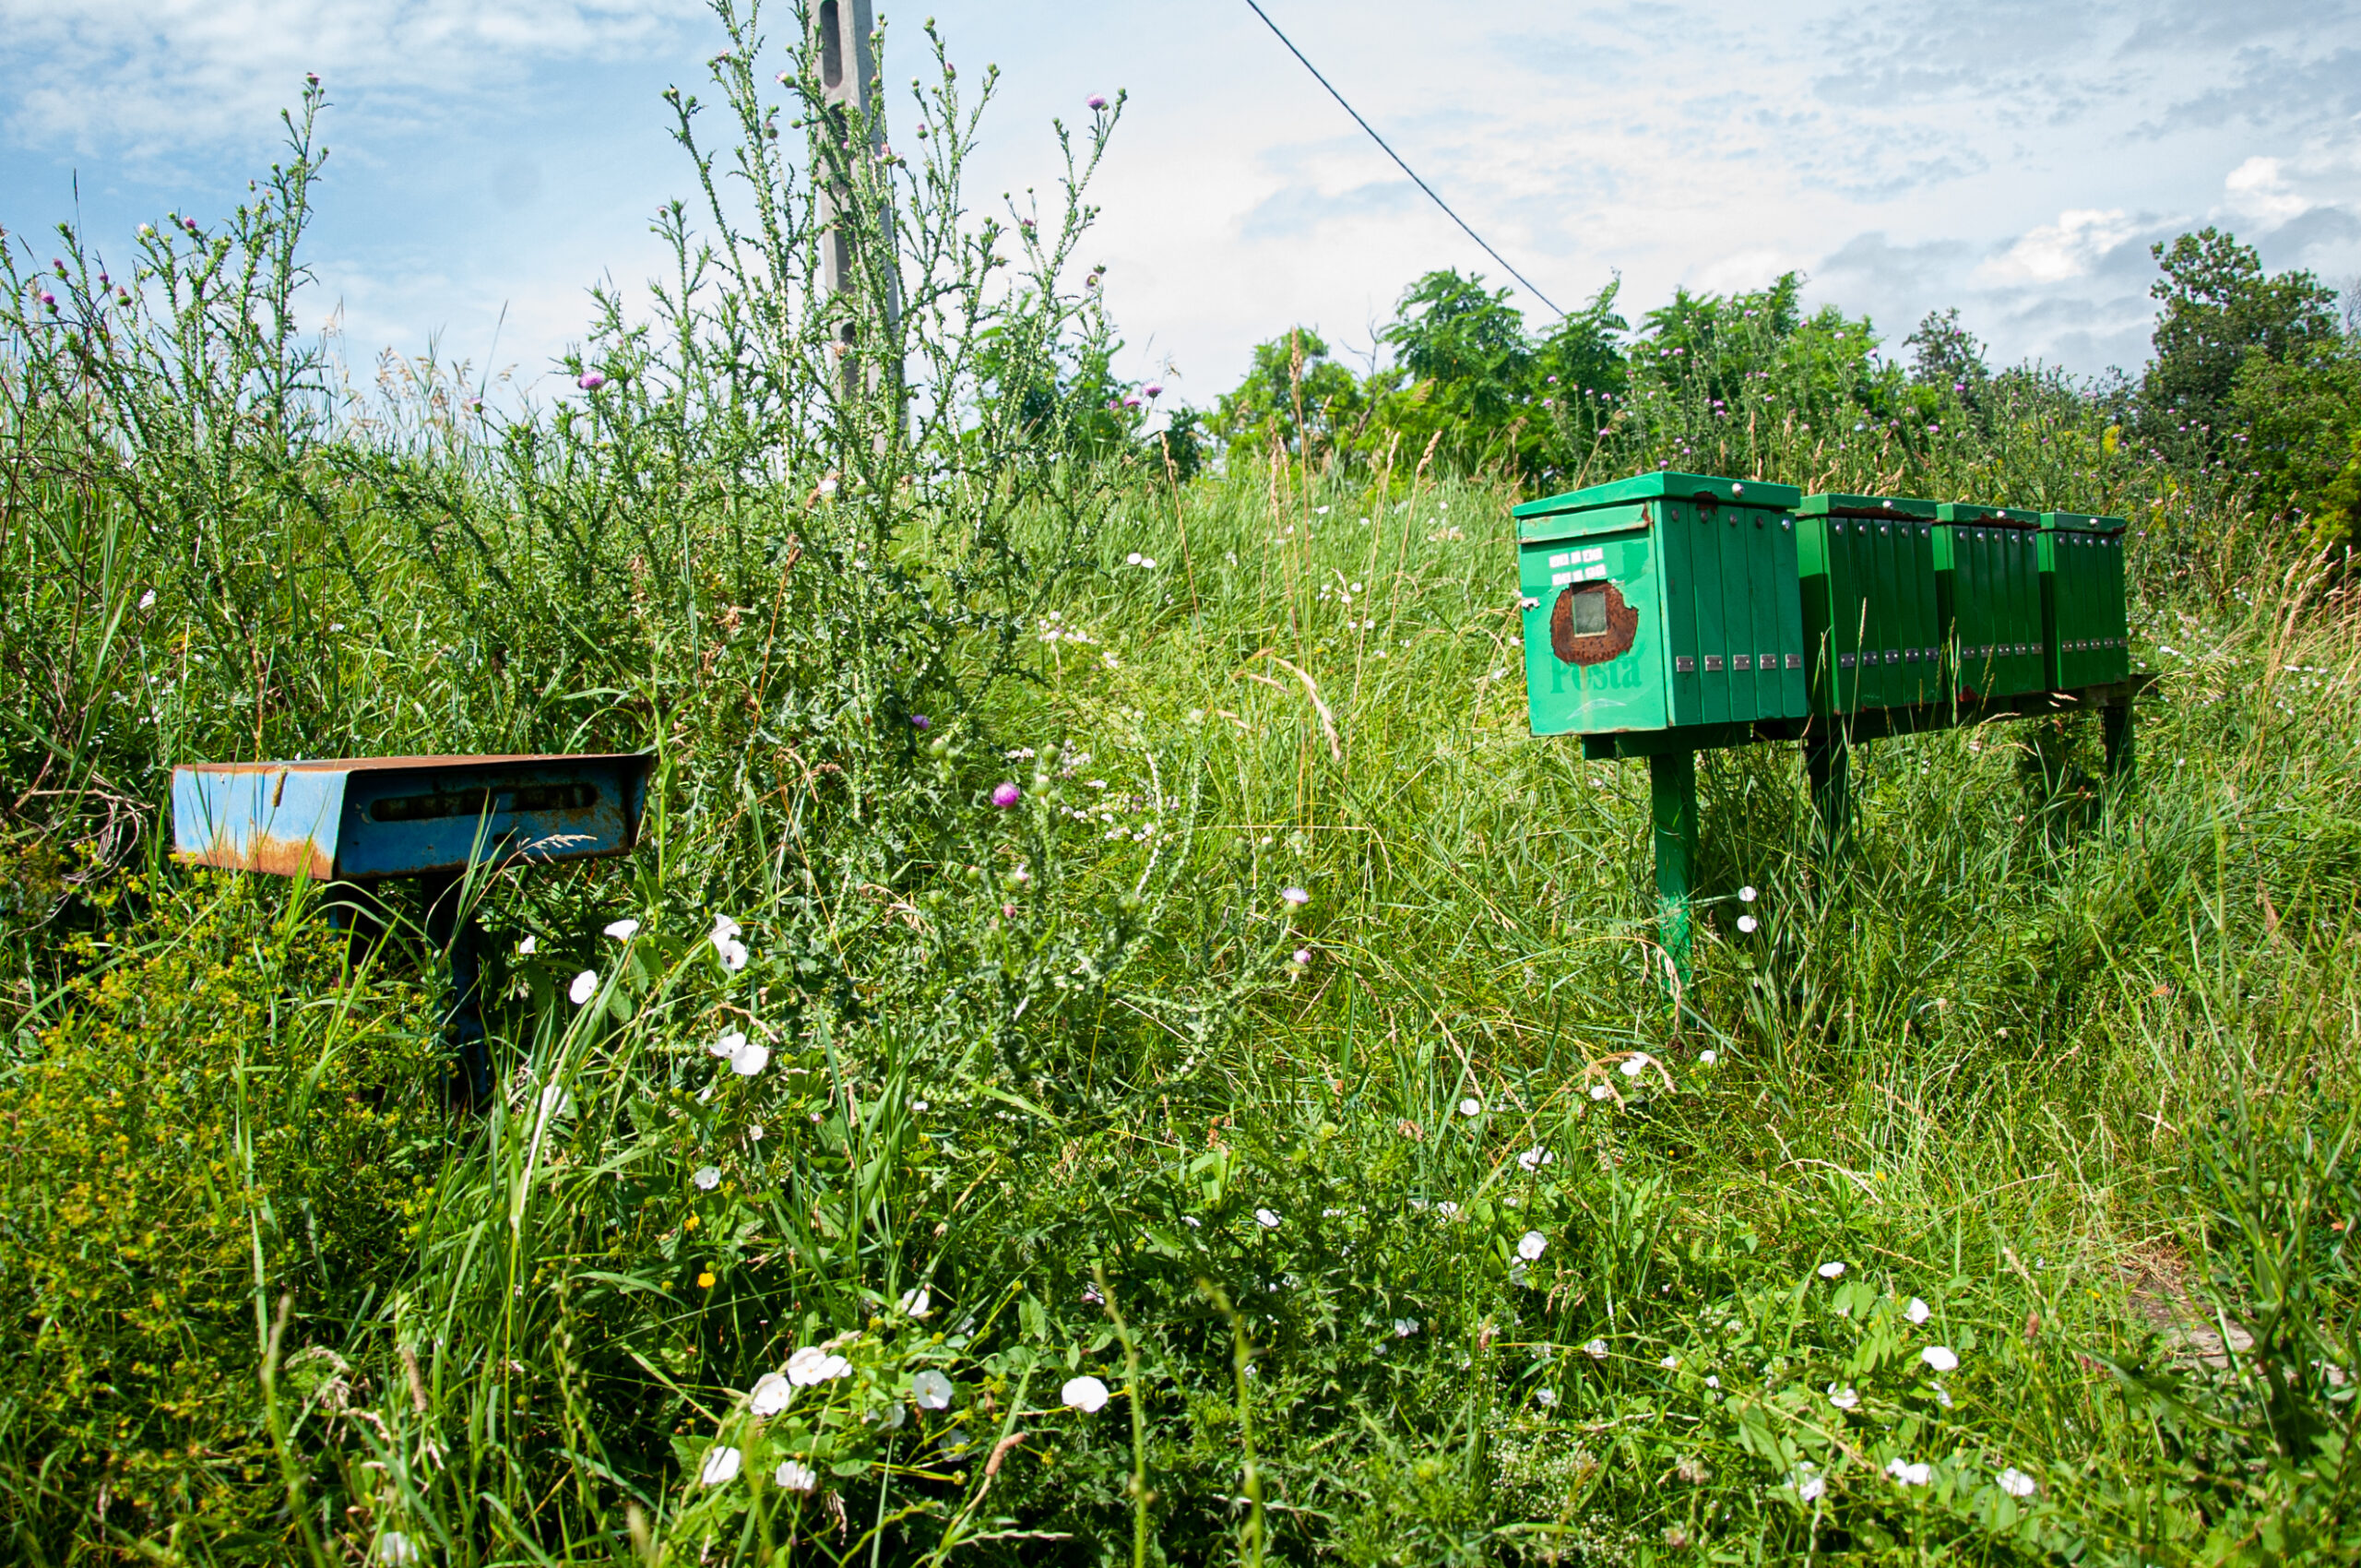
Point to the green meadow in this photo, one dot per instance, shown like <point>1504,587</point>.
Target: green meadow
<point>1116,1045</point>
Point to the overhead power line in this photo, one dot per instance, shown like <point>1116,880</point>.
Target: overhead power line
<point>1364,124</point>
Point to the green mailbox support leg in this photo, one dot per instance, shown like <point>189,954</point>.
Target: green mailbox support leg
<point>2114,729</point>
<point>1672,784</point>
<point>1828,769</point>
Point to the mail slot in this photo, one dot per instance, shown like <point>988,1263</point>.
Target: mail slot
<point>1988,584</point>
<point>1661,600</point>
<point>359,819</point>
<point>2084,625</point>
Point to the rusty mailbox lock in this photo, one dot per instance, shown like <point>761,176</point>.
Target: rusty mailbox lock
<point>364,820</point>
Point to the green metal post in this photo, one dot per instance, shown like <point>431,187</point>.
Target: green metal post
<point>1828,769</point>
<point>1672,782</point>
<point>2114,729</point>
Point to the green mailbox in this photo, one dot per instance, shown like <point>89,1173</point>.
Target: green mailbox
<point>1987,585</point>
<point>1661,602</point>
<point>1866,564</point>
<point>2082,599</point>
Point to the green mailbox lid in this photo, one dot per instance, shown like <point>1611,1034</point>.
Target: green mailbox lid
<point>2080,522</point>
<point>1977,512</point>
<point>1662,486</point>
<point>1864,507</point>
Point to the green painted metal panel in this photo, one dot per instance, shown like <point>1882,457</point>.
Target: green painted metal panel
<point>2083,611</point>
<point>1677,544</point>
<point>1665,486</point>
<point>1713,624</point>
<point>1793,701</point>
<point>1601,591</point>
<point>1995,597</point>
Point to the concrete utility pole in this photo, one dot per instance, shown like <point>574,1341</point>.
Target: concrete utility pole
<point>841,30</point>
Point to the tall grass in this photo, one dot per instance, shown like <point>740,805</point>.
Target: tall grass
<point>1403,1221</point>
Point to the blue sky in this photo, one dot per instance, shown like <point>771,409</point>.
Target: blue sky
<point>494,159</point>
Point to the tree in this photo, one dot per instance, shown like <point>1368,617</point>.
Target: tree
<point>2219,309</point>
<point>1296,396</point>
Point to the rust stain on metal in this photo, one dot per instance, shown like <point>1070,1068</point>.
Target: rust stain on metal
<point>269,853</point>
<point>1591,624</point>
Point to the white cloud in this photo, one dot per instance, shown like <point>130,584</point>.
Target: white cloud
<point>155,74</point>
<point>2258,189</point>
<point>2056,253</point>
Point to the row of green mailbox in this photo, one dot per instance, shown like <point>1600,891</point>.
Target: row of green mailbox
<point>1670,600</point>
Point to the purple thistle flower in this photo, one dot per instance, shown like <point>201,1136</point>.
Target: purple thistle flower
<point>1131,402</point>
<point>589,381</point>
<point>1295,896</point>
<point>1153,391</point>
<point>189,224</point>
<point>921,721</point>
<point>1097,102</point>
<point>1006,794</point>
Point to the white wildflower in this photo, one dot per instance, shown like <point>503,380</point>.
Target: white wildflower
<point>1670,1363</point>
<point>731,1042</point>
<point>1471,1106</point>
<point>584,987</point>
<point>1595,1350</point>
<point>720,1465</point>
<point>1086,1394</point>
<point>393,1547</point>
<point>2015,1482</point>
<point>750,1058</point>
<point>148,601</point>
<point>1831,1271</point>
<point>1545,1398</point>
<point>1266,1220</point>
<point>1843,1398</point>
<point>1532,1245</point>
<point>1636,1063</point>
<point>1536,1157</point>
<point>1746,895</point>
<point>794,1474</point>
<point>770,1395</point>
<point>1747,924</point>
<point>733,955</point>
<point>1600,1091</point>
<point>1917,1310</point>
<point>1707,1058</point>
<point>529,946</point>
<point>1712,1381</point>
<point>1811,1489</point>
<point>707,1177</point>
<point>1940,1357</point>
<point>931,1390</point>
<point>917,1302</point>
<point>624,930</point>
<point>1404,1327</point>
<point>811,1364</point>
<point>1910,1475</point>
